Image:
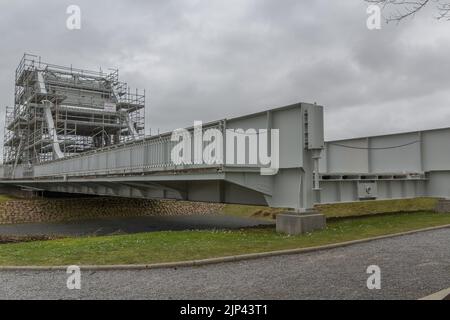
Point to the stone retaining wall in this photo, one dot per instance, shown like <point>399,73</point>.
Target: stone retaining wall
<point>53,210</point>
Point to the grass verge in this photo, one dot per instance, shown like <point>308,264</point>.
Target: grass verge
<point>244,211</point>
<point>155,247</point>
<point>363,208</point>
<point>340,210</point>
<point>5,197</point>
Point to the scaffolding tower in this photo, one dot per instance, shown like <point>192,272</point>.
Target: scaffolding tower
<point>61,111</point>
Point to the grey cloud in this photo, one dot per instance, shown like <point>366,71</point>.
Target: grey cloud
<point>205,60</point>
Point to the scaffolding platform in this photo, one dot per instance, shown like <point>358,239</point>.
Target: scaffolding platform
<point>60,111</point>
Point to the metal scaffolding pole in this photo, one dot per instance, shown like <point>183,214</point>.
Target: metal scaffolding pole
<point>62,111</point>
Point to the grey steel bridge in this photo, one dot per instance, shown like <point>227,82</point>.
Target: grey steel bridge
<point>144,168</point>
<point>81,131</point>
<point>403,165</point>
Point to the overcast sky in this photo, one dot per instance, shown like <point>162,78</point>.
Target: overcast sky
<point>210,59</point>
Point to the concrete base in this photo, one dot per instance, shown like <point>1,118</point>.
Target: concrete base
<point>443,206</point>
<point>296,223</point>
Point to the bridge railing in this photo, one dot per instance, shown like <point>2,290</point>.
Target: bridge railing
<point>147,155</point>
<point>243,148</point>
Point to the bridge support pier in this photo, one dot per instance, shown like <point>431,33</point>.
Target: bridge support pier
<point>443,206</point>
<point>294,223</point>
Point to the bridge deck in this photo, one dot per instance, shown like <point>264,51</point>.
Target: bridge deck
<point>146,168</point>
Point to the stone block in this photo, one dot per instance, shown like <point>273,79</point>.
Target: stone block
<point>297,223</point>
<point>443,206</point>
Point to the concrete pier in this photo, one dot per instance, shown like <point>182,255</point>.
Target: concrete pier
<point>443,206</point>
<point>299,223</point>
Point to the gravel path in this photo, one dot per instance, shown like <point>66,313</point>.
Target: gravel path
<point>412,266</point>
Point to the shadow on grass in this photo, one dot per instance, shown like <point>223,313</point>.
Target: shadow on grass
<point>373,215</point>
<point>19,239</point>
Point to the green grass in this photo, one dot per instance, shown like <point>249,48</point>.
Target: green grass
<point>259,212</point>
<point>5,197</point>
<point>363,208</point>
<point>339,210</point>
<point>187,245</point>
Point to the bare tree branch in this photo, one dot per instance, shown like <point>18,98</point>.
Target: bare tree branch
<point>444,11</point>
<point>403,9</point>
